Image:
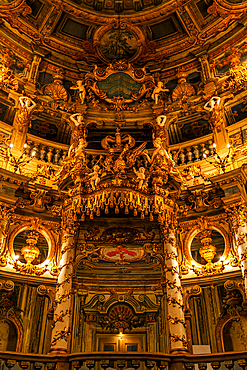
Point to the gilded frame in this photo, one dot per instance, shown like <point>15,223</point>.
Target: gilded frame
<point>42,230</point>
<point>194,231</point>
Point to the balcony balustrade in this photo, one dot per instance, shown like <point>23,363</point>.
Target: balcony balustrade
<point>123,360</point>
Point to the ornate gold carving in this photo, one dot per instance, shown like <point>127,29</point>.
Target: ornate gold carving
<point>175,302</point>
<point>7,285</point>
<point>62,297</point>
<point>117,102</point>
<point>30,269</point>
<point>42,290</point>
<point>177,338</point>
<point>68,278</point>
<point>183,91</point>
<point>59,318</point>
<point>172,285</point>
<point>63,334</point>
<point>200,202</point>
<point>237,214</point>
<point>201,225</point>
<point>7,78</point>
<point>176,320</point>
<point>55,89</point>
<point>35,225</point>
<point>40,200</point>
<point>30,251</point>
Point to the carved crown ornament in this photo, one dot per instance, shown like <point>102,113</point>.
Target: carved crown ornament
<point>25,256</point>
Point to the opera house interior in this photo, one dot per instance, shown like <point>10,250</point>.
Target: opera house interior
<point>123,173</point>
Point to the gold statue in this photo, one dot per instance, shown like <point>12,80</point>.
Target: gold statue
<point>78,141</point>
<point>24,114</point>
<point>215,107</point>
<point>162,162</point>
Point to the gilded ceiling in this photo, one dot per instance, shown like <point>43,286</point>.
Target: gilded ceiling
<point>160,34</point>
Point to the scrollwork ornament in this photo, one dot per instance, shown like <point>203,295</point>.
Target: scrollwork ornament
<point>3,261</point>
<point>29,269</point>
<point>9,285</point>
<point>42,290</point>
<point>238,215</point>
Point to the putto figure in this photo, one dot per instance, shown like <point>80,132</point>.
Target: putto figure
<point>81,90</point>
<point>157,90</point>
<point>94,176</point>
<point>140,177</point>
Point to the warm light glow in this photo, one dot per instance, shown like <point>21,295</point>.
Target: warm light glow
<point>11,145</point>
<point>214,145</point>
<point>228,146</point>
<point>16,257</point>
<point>120,333</point>
<point>221,259</point>
<point>25,145</point>
<point>205,155</point>
<point>33,154</point>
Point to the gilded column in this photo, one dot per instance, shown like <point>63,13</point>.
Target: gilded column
<point>61,333</point>
<point>172,283</point>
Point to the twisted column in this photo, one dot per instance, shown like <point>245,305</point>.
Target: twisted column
<point>172,283</point>
<point>61,332</point>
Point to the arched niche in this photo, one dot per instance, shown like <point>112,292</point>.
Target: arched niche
<point>11,334</point>
<point>231,334</point>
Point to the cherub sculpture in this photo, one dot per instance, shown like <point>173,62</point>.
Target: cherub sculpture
<point>94,177</point>
<point>81,90</point>
<point>157,90</point>
<point>140,177</point>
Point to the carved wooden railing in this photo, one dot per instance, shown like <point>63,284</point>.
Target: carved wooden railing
<point>123,360</point>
